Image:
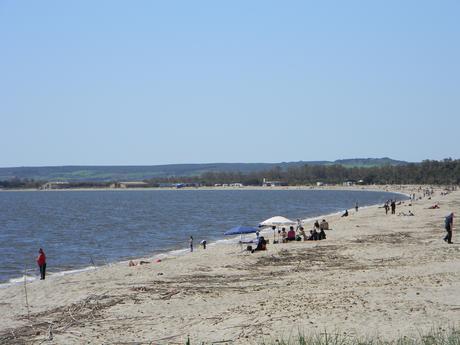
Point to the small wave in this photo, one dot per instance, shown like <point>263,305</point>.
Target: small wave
<point>50,275</point>
<point>177,252</point>
<point>20,280</point>
<point>63,273</point>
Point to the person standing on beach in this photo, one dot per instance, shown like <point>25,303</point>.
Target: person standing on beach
<point>356,207</point>
<point>41,261</point>
<point>448,224</point>
<point>393,207</point>
<point>191,243</point>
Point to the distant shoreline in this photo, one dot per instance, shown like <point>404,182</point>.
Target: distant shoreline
<point>377,188</point>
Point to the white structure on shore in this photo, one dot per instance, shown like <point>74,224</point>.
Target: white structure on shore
<point>267,183</point>
<point>129,184</point>
<point>55,185</point>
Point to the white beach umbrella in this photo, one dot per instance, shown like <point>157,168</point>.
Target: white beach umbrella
<point>277,221</point>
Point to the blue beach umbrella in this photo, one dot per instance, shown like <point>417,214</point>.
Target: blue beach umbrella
<point>238,230</point>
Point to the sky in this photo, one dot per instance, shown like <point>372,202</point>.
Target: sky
<point>160,82</point>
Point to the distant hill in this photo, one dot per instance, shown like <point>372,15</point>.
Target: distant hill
<point>132,173</point>
<point>369,162</point>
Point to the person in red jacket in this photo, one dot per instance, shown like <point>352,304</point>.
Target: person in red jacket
<point>41,261</point>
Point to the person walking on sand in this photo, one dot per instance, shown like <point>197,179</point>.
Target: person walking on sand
<point>191,243</point>
<point>41,261</point>
<point>356,207</point>
<point>448,224</point>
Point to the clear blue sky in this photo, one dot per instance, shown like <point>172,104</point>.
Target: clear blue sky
<point>156,82</point>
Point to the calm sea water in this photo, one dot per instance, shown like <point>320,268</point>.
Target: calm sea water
<point>76,228</point>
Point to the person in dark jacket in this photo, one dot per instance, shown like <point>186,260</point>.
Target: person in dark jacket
<point>261,245</point>
<point>393,207</point>
<point>448,224</point>
<point>322,235</point>
<point>41,261</point>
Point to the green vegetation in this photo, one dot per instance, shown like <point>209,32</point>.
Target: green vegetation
<point>130,173</point>
<point>435,337</point>
<point>445,172</point>
<point>20,184</point>
<point>428,172</point>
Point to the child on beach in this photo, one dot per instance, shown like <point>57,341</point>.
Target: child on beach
<point>322,235</point>
<point>283,235</point>
<point>302,233</point>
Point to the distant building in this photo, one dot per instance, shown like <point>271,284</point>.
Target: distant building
<point>129,184</point>
<point>55,185</point>
<point>319,184</point>
<point>267,183</point>
<point>236,185</point>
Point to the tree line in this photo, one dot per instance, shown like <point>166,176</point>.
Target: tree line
<point>435,172</point>
<point>444,172</point>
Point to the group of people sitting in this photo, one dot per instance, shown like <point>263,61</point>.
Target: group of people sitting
<point>299,234</point>
<point>316,234</point>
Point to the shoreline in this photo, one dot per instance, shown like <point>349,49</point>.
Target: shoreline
<point>386,273</point>
<point>15,281</point>
<point>388,188</point>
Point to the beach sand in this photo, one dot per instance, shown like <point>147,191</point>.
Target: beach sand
<point>376,275</point>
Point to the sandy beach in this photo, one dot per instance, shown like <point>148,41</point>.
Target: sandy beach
<point>375,274</point>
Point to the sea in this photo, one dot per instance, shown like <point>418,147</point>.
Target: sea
<point>80,230</point>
